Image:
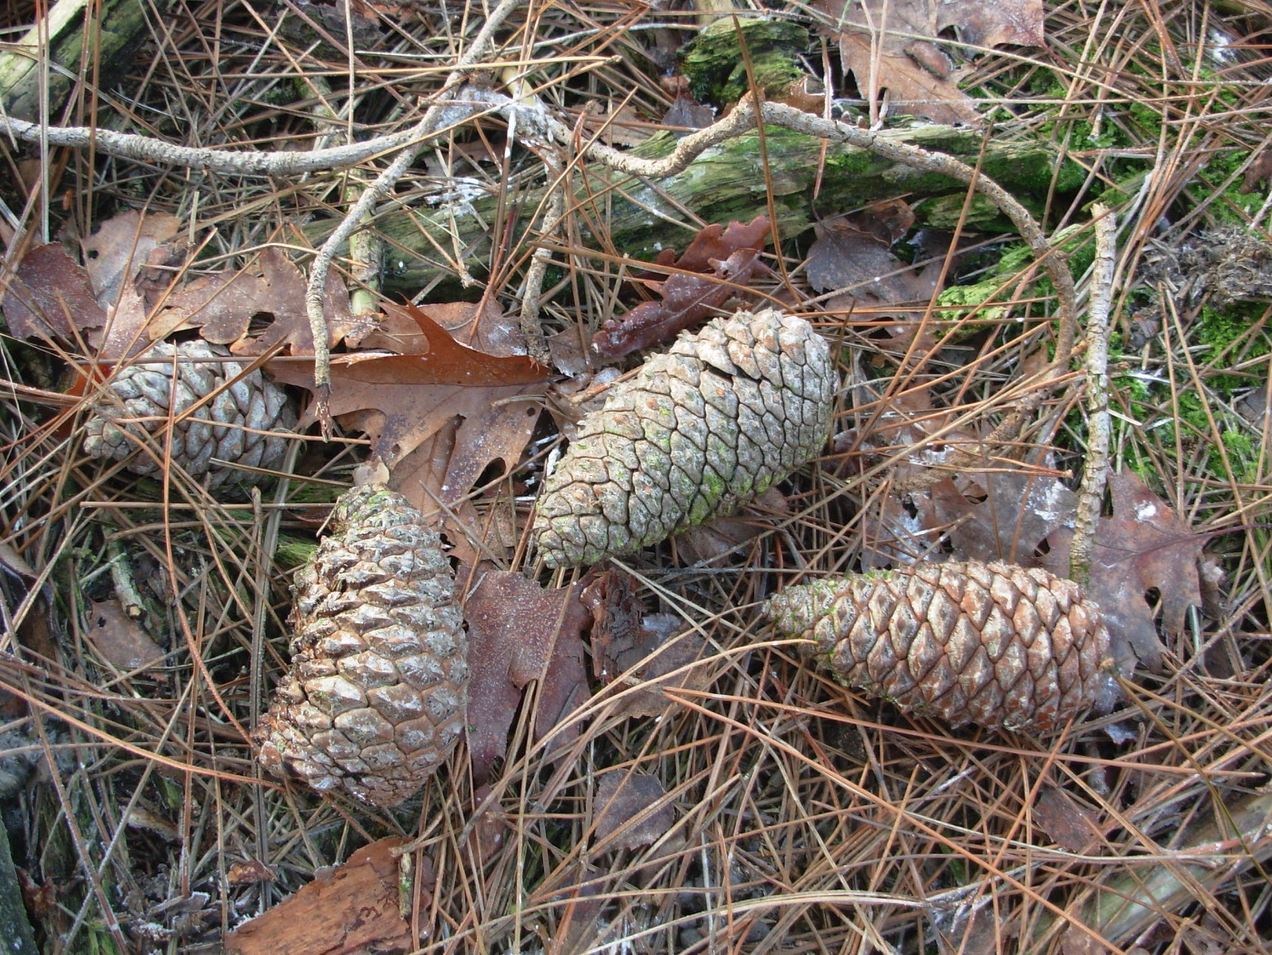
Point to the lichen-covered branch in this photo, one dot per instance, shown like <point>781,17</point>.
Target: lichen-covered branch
<point>1095,468</point>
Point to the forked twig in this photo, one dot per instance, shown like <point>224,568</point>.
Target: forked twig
<point>435,117</point>
<point>443,112</point>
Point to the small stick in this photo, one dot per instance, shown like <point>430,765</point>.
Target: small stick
<point>1096,467</point>
<point>122,577</point>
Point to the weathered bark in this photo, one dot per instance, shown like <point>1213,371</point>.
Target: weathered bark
<point>727,182</point>
<point>15,929</point>
<point>83,37</point>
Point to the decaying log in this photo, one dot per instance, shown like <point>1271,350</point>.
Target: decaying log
<point>85,39</point>
<point>727,182</point>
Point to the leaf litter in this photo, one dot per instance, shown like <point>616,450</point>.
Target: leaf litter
<point>897,46</point>
<point>521,633</point>
<point>1141,546</point>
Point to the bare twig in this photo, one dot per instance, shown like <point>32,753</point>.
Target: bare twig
<point>218,160</point>
<point>1095,469</point>
<point>443,112</point>
<point>539,261</point>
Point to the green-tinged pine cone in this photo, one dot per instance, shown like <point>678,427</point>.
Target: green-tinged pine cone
<point>244,424</point>
<point>992,644</point>
<point>699,430</point>
<point>375,696</point>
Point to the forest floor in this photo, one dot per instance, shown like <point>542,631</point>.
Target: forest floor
<point>647,766</point>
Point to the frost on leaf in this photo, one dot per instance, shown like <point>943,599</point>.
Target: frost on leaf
<point>520,633</point>
<point>897,45</point>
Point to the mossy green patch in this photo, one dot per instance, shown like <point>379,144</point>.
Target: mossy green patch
<point>717,69</point>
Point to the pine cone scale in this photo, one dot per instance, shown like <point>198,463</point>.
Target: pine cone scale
<point>237,426</point>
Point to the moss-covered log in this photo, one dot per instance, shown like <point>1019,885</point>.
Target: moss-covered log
<point>727,182</point>
<point>85,38</point>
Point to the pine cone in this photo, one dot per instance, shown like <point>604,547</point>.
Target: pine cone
<point>375,696</point>
<point>229,428</point>
<point>715,421</point>
<point>994,644</point>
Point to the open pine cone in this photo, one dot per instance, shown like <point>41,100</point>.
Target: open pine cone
<point>699,430</point>
<point>993,644</point>
<point>238,426</point>
<point>375,696</point>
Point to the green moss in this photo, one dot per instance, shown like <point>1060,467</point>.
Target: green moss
<point>716,68</point>
<point>961,300</point>
<point>293,552</point>
<point>1230,337</point>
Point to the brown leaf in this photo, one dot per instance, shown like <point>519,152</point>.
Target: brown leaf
<point>519,632</point>
<point>223,305</point>
<point>722,538</point>
<point>631,810</point>
<point>652,647</point>
<point>119,639</point>
<point>896,45</point>
<point>1259,170</point>
<point>403,401</point>
<point>851,255</point>
<point>249,872</point>
<point>1142,547</point>
<point>1069,825</point>
<point>121,247</point>
<point>719,242</point>
<point>351,908</point>
<point>1018,512</point>
<point>51,297</point>
<point>483,326</point>
<point>687,113</point>
<point>717,262</point>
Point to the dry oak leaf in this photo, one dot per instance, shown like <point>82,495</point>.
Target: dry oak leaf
<point>649,653</point>
<point>519,633</point>
<point>51,297</point>
<point>717,261</point>
<point>851,256</point>
<point>119,639</point>
<point>222,306</point>
<point>896,45</point>
<point>402,401</point>
<point>1144,547</point>
<point>121,246</point>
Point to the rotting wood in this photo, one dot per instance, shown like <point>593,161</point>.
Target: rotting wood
<point>111,27</point>
<point>726,182</point>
